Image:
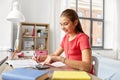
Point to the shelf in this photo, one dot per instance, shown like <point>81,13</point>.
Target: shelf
<point>31,39</point>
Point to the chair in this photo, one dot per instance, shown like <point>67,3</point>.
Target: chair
<point>95,65</point>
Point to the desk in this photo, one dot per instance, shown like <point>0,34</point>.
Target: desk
<point>5,67</point>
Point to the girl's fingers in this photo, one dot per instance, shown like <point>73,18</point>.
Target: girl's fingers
<point>34,57</point>
<point>48,59</point>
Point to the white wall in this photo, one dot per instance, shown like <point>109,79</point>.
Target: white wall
<point>5,26</point>
<point>47,11</point>
<point>36,10</point>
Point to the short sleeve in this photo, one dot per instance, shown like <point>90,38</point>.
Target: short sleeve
<point>63,41</point>
<point>61,44</point>
<point>84,42</point>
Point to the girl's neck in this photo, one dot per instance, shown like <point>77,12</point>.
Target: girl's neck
<point>72,36</point>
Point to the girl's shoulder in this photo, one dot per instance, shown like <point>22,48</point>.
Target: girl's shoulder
<point>66,35</point>
<point>82,35</point>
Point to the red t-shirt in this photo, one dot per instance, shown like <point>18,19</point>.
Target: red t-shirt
<point>73,49</point>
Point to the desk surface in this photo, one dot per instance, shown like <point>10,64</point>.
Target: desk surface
<point>4,67</point>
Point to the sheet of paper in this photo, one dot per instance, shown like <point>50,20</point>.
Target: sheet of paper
<point>56,64</point>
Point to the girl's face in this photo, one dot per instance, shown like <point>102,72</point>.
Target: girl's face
<point>67,25</point>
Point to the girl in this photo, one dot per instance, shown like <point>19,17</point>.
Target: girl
<point>75,44</point>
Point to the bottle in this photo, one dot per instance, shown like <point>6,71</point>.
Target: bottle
<point>33,33</point>
<point>38,32</point>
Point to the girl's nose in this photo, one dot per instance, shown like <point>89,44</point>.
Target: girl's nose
<point>62,27</point>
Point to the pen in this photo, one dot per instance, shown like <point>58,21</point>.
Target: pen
<point>14,53</point>
<point>35,55</point>
<point>36,58</point>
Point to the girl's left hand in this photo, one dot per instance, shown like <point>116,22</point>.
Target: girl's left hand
<point>50,59</point>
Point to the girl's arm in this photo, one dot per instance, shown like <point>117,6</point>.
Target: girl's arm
<point>85,64</point>
<point>41,58</point>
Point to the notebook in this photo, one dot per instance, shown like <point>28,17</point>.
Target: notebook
<point>22,63</point>
<point>25,74</point>
<point>70,75</point>
<point>29,63</point>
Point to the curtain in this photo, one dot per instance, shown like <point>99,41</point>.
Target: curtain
<point>111,21</point>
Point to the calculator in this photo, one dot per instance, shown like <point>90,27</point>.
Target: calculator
<point>40,66</point>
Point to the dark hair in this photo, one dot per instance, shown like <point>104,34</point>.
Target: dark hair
<point>72,15</point>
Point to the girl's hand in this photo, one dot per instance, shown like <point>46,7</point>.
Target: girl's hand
<point>50,59</point>
<point>39,58</point>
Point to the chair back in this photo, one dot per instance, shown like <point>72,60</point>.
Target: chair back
<point>95,65</point>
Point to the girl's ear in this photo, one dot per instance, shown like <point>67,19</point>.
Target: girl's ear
<point>76,22</point>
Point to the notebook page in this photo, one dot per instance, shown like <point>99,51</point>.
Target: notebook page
<point>22,63</point>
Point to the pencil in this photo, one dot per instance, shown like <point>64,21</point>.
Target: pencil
<point>14,53</point>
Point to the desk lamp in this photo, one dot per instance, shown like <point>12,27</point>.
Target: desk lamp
<point>15,16</point>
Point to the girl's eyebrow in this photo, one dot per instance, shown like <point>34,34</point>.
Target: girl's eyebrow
<point>60,23</point>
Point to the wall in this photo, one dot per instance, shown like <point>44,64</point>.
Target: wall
<point>36,11</point>
<point>5,26</point>
<point>42,11</point>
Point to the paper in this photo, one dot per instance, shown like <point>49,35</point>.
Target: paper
<point>55,64</point>
<point>58,64</point>
<point>22,63</point>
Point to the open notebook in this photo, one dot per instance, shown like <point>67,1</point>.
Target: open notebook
<point>22,63</point>
<point>29,63</point>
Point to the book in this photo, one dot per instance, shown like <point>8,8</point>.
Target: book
<point>22,63</point>
<point>70,75</point>
<point>25,74</point>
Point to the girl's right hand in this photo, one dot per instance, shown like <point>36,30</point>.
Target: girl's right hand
<point>39,58</point>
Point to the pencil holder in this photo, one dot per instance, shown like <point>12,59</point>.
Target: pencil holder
<point>41,52</point>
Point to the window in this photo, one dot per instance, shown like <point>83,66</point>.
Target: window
<point>91,15</point>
